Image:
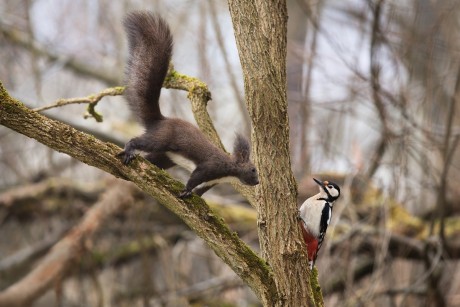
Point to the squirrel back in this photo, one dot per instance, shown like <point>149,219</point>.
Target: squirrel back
<point>150,48</point>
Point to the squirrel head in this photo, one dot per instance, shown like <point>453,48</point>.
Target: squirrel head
<point>247,172</point>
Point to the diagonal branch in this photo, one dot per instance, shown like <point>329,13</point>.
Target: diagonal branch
<point>193,211</point>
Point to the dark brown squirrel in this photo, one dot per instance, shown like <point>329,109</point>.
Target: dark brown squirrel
<point>171,141</point>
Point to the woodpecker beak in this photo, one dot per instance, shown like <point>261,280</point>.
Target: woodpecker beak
<point>318,182</point>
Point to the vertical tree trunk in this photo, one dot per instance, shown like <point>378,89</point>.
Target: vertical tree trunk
<point>261,30</point>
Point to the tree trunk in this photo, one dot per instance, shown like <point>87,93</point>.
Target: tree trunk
<point>261,31</point>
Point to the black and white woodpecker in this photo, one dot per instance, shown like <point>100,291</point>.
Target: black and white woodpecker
<point>315,215</point>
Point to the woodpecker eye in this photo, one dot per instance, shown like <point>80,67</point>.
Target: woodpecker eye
<point>330,186</point>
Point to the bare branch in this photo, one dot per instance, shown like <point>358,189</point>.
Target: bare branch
<point>228,67</point>
<point>29,253</point>
<point>59,259</point>
<point>92,100</point>
<point>77,67</point>
<point>448,149</point>
<point>27,193</point>
<point>376,95</point>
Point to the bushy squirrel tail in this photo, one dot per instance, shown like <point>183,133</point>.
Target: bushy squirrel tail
<point>150,48</point>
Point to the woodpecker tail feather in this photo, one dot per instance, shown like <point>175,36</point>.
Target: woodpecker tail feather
<point>311,242</point>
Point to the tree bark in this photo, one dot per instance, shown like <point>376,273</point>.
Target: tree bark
<point>261,31</point>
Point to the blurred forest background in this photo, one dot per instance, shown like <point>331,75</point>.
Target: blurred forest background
<point>373,88</point>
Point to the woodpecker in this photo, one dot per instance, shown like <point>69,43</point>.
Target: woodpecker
<point>315,215</point>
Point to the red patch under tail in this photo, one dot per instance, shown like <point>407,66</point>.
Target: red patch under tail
<point>311,242</point>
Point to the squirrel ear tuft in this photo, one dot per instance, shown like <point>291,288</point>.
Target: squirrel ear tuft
<point>241,149</point>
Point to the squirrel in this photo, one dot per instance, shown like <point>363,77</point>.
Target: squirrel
<point>172,141</point>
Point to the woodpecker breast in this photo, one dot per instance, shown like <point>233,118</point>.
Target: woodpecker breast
<point>315,213</point>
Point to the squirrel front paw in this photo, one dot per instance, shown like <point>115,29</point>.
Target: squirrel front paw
<point>126,157</point>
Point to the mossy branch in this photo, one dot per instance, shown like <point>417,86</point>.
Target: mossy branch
<point>193,211</point>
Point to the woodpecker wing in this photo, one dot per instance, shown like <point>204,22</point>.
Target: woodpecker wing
<point>326,215</point>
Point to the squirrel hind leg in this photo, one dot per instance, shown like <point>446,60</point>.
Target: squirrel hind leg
<point>160,159</point>
<point>141,143</point>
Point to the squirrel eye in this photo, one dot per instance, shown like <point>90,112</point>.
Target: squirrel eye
<point>253,170</point>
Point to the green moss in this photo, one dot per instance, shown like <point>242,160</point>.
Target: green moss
<point>3,92</point>
<point>316,288</point>
<point>91,109</point>
<point>193,85</point>
<point>403,222</point>
<point>98,258</point>
<point>8,103</point>
<point>119,90</point>
<point>172,76</point>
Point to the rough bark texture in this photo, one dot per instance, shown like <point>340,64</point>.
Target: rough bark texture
<point>193,211</point>
<point>261,30</point>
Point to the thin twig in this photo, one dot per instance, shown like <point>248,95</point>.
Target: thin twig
<point>19,39</point>
<point>233,80</point>
<point>92,100</point>
<point>447,151</point>
<point>375,86</point>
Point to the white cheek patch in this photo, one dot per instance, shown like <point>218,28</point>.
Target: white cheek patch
<point>333,192</point>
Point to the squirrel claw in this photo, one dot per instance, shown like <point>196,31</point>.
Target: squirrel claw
<point>126,157</point>
<point>185,193</point>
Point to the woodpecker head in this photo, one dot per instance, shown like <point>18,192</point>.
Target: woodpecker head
<point>328,190</point>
